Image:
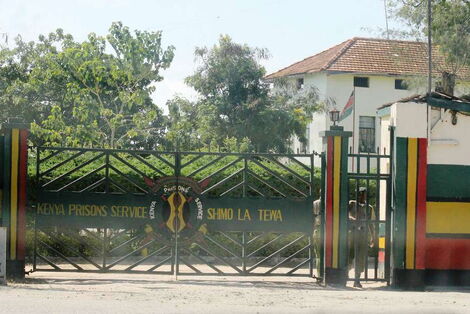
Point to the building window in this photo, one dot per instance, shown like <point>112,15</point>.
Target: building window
<point>300,83</point>
<point>400,84</point>
<point>361,81</point>
<point>366,134</point>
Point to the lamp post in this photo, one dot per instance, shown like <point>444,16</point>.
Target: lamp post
<point>334,116</point>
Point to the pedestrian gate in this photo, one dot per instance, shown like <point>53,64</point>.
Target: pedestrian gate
<point>369,176</point>
<point>187,213</point>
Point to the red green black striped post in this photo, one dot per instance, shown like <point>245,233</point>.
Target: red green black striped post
<point>335,143</point>
<point>409,232</point>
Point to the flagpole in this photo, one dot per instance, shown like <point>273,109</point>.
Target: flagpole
<point>354,127</point>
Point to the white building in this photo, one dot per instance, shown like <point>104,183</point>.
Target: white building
<point>375,69</point>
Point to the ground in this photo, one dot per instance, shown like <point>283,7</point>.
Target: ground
<point>46,292</point>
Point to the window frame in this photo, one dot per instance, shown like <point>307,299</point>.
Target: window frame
<point>300,83</point>
<point>371,147</point>
<point>357,79</point>
<point>399,84</point>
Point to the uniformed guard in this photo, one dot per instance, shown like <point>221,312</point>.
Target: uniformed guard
<point>361,234</point>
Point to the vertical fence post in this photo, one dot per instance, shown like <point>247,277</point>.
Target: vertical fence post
<point>14,173</point>
<point>335,146</point>
<point>409,216</point>
<point>245,185</point>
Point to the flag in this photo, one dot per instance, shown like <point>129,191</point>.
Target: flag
<point>348,108</point>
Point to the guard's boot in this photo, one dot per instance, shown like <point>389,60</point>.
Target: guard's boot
<point>357,284</point>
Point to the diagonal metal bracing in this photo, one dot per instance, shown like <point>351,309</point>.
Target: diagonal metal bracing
<point>81,178</point>
<point>119,260</point>
<point>255,190</point>
<point>164,160</point>
<point>54,152</point>
<point>277,176</point>
<point>301,164</point>
<point>296,268</point>
<point>48,261</point>
<point>230,238</point>
<point>222,181</point>
<point>93,185</point>
<point>120,187</point>
<point>287,259</point>
<point>255,176</point>
<point>259,236</point>
<point>201,259</point>
<point>222,169</point>
<point>60,255</point>
<point>295,174</point>
<point>128,164</point>
<point>73,250</point>
<point>279,236</point>
<point>192,174</point>
<point>60,164</point>
<point>181,259</point>
<point>128,179</point>
<point>154,253</point>
<point>73,170</point>
<point>191,161</point>
<point>139,237</point>
<point>233,188</point>
<point>163,262</point>
<point>222,247</point>
<point>274,254</point>
<point>219,258</point>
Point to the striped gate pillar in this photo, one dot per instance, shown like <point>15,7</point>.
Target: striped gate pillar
<point>409,213</point>
<point>13,169</point>
<point>335,147</point>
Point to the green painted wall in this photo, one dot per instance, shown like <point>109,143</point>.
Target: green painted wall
<point>399,208</point>
<point>448,181</point>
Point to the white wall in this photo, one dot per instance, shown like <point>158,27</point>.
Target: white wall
<point>450,143</point>
<point>381,90</point>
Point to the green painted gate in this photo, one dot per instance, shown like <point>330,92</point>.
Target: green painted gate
<point>370,174</point>
<point>185,213</point>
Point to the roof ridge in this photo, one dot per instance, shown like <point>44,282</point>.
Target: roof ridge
<point>341,43</point>
<point>340,52</point>
<point>389,40</point>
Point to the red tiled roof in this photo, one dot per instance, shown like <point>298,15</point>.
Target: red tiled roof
<point>374,56</point>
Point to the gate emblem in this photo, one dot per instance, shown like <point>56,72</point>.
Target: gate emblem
<point>177,209</point>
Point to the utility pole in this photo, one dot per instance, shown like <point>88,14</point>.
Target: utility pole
<point>429,68</point>
<point>386,19</point>
<point>429,48</point>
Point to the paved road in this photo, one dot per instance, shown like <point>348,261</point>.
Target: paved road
<point>115,293</point>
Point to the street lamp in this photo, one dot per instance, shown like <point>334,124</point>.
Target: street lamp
<point>334,116</point>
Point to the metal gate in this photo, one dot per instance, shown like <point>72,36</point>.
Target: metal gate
<point>186,213</point>
<point>369,212</point>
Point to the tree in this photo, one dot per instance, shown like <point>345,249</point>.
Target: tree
<point>91,93</point>
<point>236,101</point>
<point>450,32</point>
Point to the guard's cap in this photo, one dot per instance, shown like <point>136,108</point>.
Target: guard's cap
<point>362,189</point>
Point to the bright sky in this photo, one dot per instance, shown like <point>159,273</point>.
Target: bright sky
<point>290,29</point>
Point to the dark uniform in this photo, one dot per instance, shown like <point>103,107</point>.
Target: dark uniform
<point>360,235</point>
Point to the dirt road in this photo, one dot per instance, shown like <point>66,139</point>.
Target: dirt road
<point>116,293</point>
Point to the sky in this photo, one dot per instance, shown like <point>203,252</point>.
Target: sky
<point>290,29</point>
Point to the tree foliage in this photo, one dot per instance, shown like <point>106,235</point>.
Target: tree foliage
<point>450,31</point>
<point>91,93</point>
<point>236,102</point>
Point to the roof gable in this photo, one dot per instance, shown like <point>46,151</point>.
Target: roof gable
<point>370,56</point>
